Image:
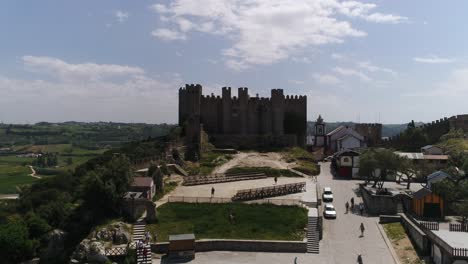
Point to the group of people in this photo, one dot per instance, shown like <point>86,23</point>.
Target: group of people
<point>140,245</point>
<point>361,206</point>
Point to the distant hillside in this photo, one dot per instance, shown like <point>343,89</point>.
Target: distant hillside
<point>388,130</point>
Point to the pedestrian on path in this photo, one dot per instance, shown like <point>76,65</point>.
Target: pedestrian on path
<point>295,260</point>
<point>362,229</point>
<point>212,191</point>
<point>361,208</point>
<point>276,180</point>
<point>347,207</point>
<point>352,203</point>
<point>359,259</point>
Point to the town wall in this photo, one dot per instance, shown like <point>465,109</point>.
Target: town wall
<point>372,132</point>
<point>459,122</point>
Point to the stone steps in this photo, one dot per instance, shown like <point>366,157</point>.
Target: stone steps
<point>313,236</point>
<point>139,229</point>
<point>141,257</point>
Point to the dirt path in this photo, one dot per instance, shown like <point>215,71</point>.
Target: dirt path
<point>33,173</point>
<point>255,159</point>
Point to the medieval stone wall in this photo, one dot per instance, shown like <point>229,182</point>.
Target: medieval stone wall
<point>242,115</point>
<point>372,132</point>
<point>459,122</point>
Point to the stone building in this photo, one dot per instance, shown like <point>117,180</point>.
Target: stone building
<point>242,121</point>
<point>459,122</point>
<point>372,133</point>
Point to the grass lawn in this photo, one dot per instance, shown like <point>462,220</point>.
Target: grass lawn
<point>208,162</point>
<point>168,187</point>
<point>270,172</point>
<point>304,159</point>
<point>252,221</point>
<point>402,244</point>
<point>13,175</point>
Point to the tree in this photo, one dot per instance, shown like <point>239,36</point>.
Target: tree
<point>413,171</point>
<point>158,177</point>
<point>104,187</point>
<point>15,245</point>
<point>461,209</point>
<point>378,164</point>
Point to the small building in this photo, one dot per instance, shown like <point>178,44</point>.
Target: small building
<point>319,133</point>
<point>144,185</point>
<point>344,137</point>
<point>346,163</point>
<point>427,204</point>
<point>419,157</point>
<point>432,150</point>
<point>182,246</point>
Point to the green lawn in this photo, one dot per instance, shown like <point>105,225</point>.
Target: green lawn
<point>395,231</point>
<point>208,162</point>
<point>252,221</point>
<point>13,175</point>
<point>270,172</point>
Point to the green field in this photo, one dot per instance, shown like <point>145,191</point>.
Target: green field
<point>12,176</point>
<point>251,221</point>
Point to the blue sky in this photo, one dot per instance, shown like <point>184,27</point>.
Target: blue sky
<point>124,60</point>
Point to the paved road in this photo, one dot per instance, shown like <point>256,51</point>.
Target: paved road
<point>341,242</point>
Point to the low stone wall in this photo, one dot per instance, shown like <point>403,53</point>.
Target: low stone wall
<point>253,141</point>
<point>240,245</point>
<point>378,204</point>
<point>416,235</point>
<point>386,219</point>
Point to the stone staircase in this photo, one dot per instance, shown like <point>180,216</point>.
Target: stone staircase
<point>313,235</point>
<point>139,234</point>
<point>177,169</point>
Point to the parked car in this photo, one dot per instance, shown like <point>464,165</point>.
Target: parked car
<point>327,194</point>
<point>329,211</point>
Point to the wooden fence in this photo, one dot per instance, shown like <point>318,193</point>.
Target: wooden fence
<point>460,252</point>
<point>188,199</point>
<point>458,227</point>
<point>116,251</point>
<point>264,192</point>
<point>429,225</point>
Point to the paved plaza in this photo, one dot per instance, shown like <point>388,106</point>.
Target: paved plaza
<point>341,241</point>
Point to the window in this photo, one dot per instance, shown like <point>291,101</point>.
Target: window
<point>346,159</point>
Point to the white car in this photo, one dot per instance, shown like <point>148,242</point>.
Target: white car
<point>327,194</point>
<point>329,211</point>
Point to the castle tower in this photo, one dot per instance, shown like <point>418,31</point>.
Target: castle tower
<point>189,102</point>
<point>277,111</point>
<point>319,132</point>
<point>226,108</point>
<point>243,104</point>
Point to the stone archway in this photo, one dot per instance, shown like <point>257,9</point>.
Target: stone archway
<point>134,208</point>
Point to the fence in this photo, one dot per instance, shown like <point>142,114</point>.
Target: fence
<point>188,199</point>
<point>458,227</point>
<point>264,192</point>
<point>460,252</point>
<point>116,251</point>
<point>429,225</point>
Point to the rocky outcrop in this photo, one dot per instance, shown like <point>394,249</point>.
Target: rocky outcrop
<point>55,246</point>
<point>89,252</point>
<point>116,233</point>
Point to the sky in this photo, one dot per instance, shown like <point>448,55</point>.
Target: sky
<point>123,61</point>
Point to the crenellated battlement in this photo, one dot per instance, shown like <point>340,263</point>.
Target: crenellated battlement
<point>241,114</point>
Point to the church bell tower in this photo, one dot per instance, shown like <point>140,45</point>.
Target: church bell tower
<point>319,132</point>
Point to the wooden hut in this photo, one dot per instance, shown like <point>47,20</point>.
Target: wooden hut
<point>428,204</point>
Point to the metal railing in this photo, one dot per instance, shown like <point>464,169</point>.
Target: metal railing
<point>264,192</point>
<point>460,252</point>
<point>429,225</point>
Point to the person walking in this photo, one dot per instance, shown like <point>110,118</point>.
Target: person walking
<point>362,229</point>
<point>361,208</point>
<point>352,203</point>
<point>276,180</point>
<point>212,191</point>
<point>359,259</point>
<point>347,207</point>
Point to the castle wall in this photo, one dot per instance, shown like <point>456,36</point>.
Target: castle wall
<point>244,116</point>
<point>459,122</point>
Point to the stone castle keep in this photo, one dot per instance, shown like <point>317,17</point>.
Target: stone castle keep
<point>243,121</point>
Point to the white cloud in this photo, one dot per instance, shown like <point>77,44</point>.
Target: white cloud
<point>178,54</point>
<point>121,16</point>
<point>83,71</point>
<point>433,59</point>
<point>327,79</point>
<point>337,56</point>
<point>373,68</point>
<point>80,94</point>
<point>298,82</point>
<point>352,72</point>
<point>455,87</point>
<point>266,31</point>
<point>167,34</point>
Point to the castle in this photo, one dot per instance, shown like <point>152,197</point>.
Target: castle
<point>242,121</point>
